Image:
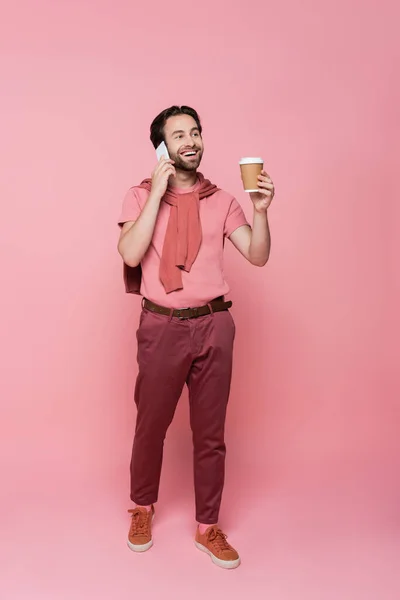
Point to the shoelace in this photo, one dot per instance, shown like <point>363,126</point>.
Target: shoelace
<point>140,523</point>
<point>218,538</point>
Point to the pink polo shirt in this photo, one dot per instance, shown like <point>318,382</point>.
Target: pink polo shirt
<point>220,215</point>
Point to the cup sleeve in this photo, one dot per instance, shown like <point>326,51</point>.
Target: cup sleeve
<point>235,218</point>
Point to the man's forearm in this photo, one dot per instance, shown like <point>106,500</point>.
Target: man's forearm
<point>134,243</point>
<point>260,243</point>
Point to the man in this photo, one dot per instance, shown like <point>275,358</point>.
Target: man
<point>172,238</point>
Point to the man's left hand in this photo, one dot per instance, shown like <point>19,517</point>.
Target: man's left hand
<point>263,198</point>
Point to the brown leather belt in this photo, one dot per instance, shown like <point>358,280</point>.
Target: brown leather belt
<point>217,305</point>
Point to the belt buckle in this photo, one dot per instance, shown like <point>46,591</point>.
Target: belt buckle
<point>182,309</point>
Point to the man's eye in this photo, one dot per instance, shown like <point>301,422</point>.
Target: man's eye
<point>196,134</point>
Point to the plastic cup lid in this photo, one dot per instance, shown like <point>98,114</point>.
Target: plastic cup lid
<point>249,160</point>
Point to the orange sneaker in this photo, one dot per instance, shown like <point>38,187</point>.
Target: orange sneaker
<point>213,542</point>
<point>139,537</point>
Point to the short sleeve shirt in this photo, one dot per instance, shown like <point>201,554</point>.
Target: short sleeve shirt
<point>220,216</point>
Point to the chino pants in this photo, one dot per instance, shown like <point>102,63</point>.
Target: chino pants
<point>172,352</point>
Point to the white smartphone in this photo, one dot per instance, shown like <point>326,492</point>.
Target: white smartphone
<point>162,151</point>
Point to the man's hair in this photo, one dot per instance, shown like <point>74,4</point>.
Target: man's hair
<point>157,126</point>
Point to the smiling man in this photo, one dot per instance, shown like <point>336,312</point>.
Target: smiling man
<point>173,228</point>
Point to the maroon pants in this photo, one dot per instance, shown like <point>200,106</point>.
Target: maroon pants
<point>172,352</point>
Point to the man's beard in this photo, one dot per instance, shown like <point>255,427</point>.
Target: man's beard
<point>185,165</point>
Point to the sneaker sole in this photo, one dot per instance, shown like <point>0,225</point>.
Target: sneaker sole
<point>224,564</point>
<point>141,547</point>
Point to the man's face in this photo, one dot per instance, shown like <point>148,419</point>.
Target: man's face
<point>184,142</point>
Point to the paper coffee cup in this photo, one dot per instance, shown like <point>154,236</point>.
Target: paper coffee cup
<point>250,169</point>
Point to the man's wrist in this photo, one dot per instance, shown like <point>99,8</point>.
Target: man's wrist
<point>263,211</point>
<point>155,197</point>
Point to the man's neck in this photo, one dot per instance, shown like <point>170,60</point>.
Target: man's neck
<point>184,179</point>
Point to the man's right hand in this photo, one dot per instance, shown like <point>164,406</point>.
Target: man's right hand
<point>160,176</point>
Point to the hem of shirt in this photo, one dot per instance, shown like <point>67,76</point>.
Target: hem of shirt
<point>121,223</point>
<point>237,227</point>
<point>193,304</point>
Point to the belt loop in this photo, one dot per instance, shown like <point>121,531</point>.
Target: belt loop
<point>211,309</point>
<point>171,313</point>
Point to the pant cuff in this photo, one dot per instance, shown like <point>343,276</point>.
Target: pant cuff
<point>207,521</point>
<point>145,502</point>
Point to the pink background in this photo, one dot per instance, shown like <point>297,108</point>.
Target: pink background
<point>312,492</point>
